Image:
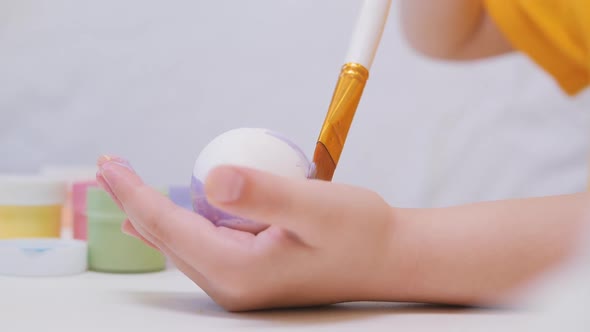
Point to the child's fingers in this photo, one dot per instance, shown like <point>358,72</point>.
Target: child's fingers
<point>308,207</point>
<point>130,230</point>
<point>162,222</point>
<point>102,184</point>
<point>178,261</point>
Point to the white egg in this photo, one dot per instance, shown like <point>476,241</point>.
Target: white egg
<point>256,148</point>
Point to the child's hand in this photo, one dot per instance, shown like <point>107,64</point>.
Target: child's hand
<point>327,243</point>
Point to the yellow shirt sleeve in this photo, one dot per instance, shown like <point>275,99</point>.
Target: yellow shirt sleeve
<point>553,33</point>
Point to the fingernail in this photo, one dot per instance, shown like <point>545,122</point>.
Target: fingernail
<point>105,159</point>
<point>225,185</point>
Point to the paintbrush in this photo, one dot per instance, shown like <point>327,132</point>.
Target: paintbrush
<point>349,88</point>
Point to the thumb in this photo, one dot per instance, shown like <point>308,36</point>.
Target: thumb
<point>304,206</point>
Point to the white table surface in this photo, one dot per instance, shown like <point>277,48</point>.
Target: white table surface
<point>168,301</point>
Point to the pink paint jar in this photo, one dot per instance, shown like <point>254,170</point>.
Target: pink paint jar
<point>70,174</point>
<point>80,218</point>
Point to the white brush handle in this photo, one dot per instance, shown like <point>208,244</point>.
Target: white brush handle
<point>368,31</point>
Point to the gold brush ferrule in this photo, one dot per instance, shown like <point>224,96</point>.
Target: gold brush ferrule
<point>347,95</point>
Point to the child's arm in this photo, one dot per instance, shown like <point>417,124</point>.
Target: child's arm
<point>331,243</point>
<point>452,29</point>
<point>478,253</point>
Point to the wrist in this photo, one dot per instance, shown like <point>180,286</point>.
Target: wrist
<point>477,253</point>
<point>396,279</point>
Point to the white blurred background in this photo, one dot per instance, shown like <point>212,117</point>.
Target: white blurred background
<point>154,81</point>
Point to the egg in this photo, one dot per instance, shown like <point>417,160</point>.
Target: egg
<point>256,148</point>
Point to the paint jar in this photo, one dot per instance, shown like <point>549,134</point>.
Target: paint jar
<point>80,218</point>
<point>42,257</point>
<point>69,174</point>
<point>109,249</point>
<point>31,206</point>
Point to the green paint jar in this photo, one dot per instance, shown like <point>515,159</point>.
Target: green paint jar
<point>109,249</point>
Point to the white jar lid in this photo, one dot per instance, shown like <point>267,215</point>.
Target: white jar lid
<point>42,257</point>
<point>22,190</point>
